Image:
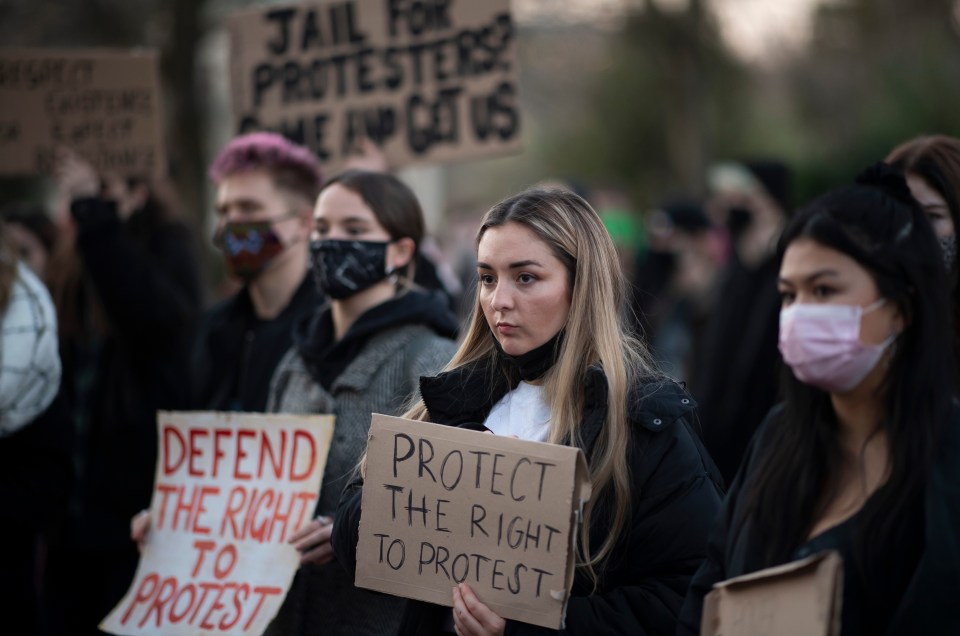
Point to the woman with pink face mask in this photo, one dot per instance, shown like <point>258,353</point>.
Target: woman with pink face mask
<point>863,455</point>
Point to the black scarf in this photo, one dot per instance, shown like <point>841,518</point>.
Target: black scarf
<point>533,364</point>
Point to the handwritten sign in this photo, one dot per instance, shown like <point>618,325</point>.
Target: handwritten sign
<point>230,490</point>
<point>443,505</point>
<point>103,104</point>
<point>802,598</point>
<point>427,80</point>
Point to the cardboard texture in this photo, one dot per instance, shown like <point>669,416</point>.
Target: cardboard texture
<point>442,505</point>
<point>802,598</point>
<point>427,81</point>
<point>230,490</point>
<point>104,104</point>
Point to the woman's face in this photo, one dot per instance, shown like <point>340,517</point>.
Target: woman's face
<point>933,204</point>
<point>524,288</point>
<point>812,273</point>
<point>342,214</point>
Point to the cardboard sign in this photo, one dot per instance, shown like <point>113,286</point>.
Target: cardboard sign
<point>230,490</point>
<point>104,104</point>
<point>426,80</point>
<point>443,505</point>
<point>803,598</point>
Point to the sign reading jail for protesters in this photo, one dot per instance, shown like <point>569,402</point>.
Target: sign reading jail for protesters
<point>443,505</point>
<point>426,80</point>
<point>230,490</point>
<point>104,104</point>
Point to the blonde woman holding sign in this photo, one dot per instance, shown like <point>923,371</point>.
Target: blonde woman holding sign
<point>547,357</point>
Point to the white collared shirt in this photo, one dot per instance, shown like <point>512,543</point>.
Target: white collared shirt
<point>522,412</point>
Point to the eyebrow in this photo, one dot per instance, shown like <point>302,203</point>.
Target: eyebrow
<point>513,265</point>
<point>814,275</point>
<point>349,219</point>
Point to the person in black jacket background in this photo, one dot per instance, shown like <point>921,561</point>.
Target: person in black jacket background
<point>863,456</point>
<point>736,368</point>
<point>547,357</point>
<point>127,290</point>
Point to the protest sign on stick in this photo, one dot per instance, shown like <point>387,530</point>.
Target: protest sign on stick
<point>443,505</point>
<point>103,104</point>
<point>426,80</point>
<point>230,490</point>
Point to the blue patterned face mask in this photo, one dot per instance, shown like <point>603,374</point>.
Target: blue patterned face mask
<point>248,247</point>
<point>344,268</point>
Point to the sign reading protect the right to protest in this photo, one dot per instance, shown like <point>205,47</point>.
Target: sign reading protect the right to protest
<point>443,505</point>
<point>426,80</point>
<point>103,104</point>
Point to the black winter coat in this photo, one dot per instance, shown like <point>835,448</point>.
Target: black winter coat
<point>143,273</point>
<point>928,604</point>
<point>675,496</point>
<point>237,352</point>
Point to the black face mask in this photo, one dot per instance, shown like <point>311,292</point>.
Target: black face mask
<point>536,362</point>
<point>344,268</point>
<point>738,221</point>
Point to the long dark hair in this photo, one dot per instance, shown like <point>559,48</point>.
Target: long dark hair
<point>876,223</point>
<point>936,160</point>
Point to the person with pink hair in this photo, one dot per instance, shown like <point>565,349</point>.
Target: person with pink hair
<point>266,188</point>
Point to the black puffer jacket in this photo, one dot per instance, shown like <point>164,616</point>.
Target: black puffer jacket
<point>675,497</point>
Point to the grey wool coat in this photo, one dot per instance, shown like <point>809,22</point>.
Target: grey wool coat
<point>381,379</point>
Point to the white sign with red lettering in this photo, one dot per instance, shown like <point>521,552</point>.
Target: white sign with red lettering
<point>230,490</point>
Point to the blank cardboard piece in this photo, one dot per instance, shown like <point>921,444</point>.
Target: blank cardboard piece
<point>801,598</point>
<point>428,81</point>
<point>230,489</point>
<point>104,104</point>
<point>443,505</point>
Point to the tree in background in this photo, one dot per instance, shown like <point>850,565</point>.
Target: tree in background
<point>876,72</point>
<point>671,99</point>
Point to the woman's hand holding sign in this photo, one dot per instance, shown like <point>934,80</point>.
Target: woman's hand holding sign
<point>313,541</point>
<point>471,617</point>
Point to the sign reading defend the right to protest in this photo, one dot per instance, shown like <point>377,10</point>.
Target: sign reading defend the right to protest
<point>426,80</point>
<point>443,505</point>
<point>230,491</point>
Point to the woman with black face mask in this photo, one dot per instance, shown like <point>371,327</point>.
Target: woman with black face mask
<point>362,353</point>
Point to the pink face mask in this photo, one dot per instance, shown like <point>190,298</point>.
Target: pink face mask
<point>821,344</point>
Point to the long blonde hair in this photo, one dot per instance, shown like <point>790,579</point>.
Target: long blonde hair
<point>596,333</point>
